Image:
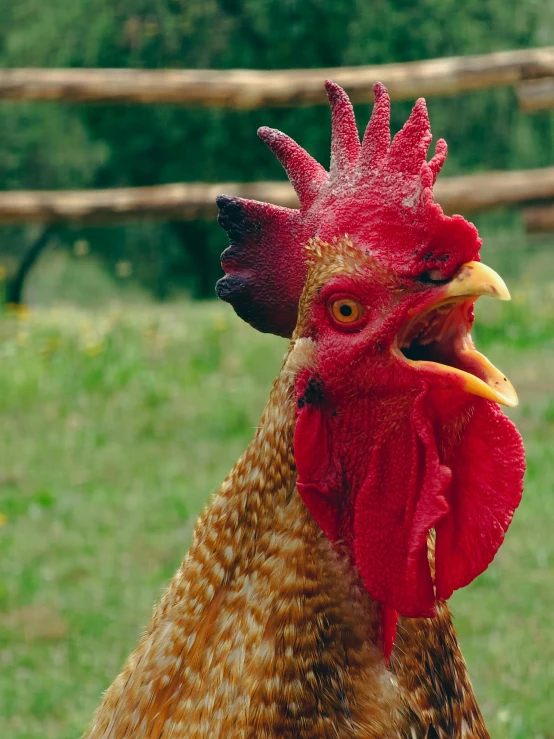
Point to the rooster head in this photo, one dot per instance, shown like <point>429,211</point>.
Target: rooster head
<point>398,429</point>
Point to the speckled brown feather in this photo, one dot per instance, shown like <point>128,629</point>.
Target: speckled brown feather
<point>265,631</point>
<point>432,673</point>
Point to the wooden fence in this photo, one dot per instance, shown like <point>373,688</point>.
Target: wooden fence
<point>192,201</point>
<point>247,89</point>
<point>531,71</point>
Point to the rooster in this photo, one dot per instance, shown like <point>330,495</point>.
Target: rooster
<point>382,477</point>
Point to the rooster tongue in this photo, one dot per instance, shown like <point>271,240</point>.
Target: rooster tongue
<point>438,340</point>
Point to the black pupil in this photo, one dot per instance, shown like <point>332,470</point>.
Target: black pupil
<point>345,310</point>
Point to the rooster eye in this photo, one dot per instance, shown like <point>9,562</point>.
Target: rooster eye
<point>346,310</point>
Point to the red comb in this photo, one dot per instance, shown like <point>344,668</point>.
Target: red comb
<point>377,192</point>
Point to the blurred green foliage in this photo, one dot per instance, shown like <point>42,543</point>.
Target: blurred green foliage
<point>55,146</point>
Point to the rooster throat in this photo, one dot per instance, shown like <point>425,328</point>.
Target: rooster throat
<point>438,339</point>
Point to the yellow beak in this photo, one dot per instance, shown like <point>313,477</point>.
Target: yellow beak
<point>475,279</point>
<point>472,280</point>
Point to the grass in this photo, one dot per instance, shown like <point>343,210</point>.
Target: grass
<point>115,425</point>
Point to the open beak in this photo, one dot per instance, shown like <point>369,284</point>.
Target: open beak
<point>438,338</point>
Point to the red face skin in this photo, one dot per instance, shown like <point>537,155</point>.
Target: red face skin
<point>386,452</point>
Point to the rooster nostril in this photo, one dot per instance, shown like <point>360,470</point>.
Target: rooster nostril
<point>433,277</point>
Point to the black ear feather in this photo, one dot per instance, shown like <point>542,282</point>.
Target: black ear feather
<point>264,263</point>
<point>228,288</point>
<point>232,216</point>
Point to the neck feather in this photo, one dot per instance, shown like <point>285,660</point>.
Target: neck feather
<point>265,630</point>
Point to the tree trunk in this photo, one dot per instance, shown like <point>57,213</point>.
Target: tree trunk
<point>15,288</point>
<point>199,256</point>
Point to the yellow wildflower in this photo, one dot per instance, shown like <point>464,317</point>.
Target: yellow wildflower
<point>50,346</point>
<point>220,322</point>
<point>20,310</point>
<point>81,248</point>
<point>123,268</point>
<point>93,350</point>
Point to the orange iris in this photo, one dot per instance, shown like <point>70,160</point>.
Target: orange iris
<point>346,310</point>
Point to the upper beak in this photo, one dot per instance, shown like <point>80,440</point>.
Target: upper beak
<point>475,279</point>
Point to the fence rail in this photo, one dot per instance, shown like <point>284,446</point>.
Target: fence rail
<point>248,89</point>
<point>539,219</point>
<point>190,201</point>
<point>534,95</point>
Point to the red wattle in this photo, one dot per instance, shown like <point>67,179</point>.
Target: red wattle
<point>487,466</point>
<point>400,501</point>
<point>389,621</point>
<point>379,484</point>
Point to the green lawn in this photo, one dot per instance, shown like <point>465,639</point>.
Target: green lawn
<point>116,424</point>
